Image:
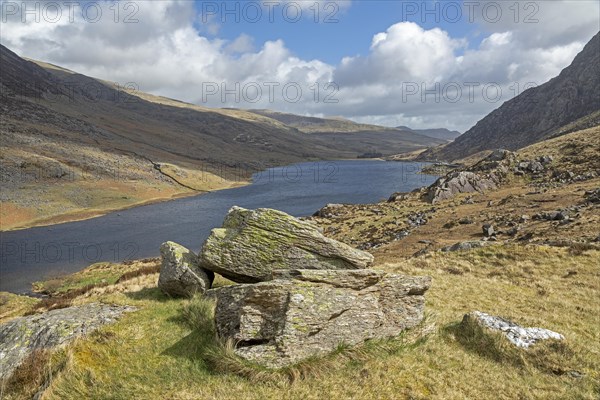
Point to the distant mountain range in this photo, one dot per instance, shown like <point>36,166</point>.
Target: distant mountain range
<point>539,113</point>
<point>91,111</point>
<point>79,145</point>
<point>439,133</point>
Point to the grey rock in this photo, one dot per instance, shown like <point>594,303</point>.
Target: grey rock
<point>499,155</point>
<point>460,182</point>
<point>20,337</point>
<point>513,231</point>
<point>593,196</point>
<point>329,211</point>
<point>461,246</point>
<point>516,334</point>
<point>180,272</point>
<point>535,167</point>
<point>488,230</point>
<point>305,313</point>
<point>253,243</point>
<point>398,196</point>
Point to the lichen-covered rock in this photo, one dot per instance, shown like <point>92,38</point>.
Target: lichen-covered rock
<point>516,334</point>
<point>22,336</point>
<point>180,273</point>
<point>253,243</point>
<point>304,313</point>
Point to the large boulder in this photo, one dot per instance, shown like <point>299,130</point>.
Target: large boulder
<point>180,273</point>
<point>304,313</point>
<point>253,243</point>
<point>460,182</point>
<point>20,337</point>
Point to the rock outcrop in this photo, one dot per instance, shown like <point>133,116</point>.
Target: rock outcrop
<point>459,182</point>
<point>253,243</point>
<point>516,334</point>
<point>22,336</point>
<point>537,113</point>
<point>305,313</point>
<point>180,273</point>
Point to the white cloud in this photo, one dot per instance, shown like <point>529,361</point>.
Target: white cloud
<point>168,53</point>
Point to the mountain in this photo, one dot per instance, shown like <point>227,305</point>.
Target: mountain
<point>536,114</point>
<point>439,133</point>
<point>80,145</point>
<point>314,124</point>
<point>368,141</point>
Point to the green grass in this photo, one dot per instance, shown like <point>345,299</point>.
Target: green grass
<point>168,349</point>
<point>100,273</point>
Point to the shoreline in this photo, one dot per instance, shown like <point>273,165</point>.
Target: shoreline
<point>87,214</point>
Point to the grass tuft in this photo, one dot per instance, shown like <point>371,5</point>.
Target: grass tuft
<point>33,375</point>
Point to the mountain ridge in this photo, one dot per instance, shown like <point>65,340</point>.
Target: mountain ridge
<point>535,114</point>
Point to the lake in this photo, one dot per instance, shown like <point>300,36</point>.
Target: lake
<point>34,254</point>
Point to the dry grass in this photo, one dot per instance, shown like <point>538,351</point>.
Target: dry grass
<point>168,348</point>
<point>13,305</point>
<point>34,375</point>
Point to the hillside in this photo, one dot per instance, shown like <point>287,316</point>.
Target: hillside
<point>538,271</point>
<point>368,141</point>
<point>314,124</point>
<point>436,133</point>
<point>74,146</point>
<point>537,113</point>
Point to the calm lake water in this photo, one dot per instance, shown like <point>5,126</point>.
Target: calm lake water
<point>34,254</point>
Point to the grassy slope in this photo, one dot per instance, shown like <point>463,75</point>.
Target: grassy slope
<point>156,353</point>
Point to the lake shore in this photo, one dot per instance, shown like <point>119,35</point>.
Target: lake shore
<point>27,222</point>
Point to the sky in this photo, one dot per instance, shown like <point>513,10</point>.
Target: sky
<point>423,64</point>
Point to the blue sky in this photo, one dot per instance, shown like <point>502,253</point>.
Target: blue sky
<point>331,41</point>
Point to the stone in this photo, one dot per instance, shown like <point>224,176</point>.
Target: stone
<point>593,196</point>
<point>535,167</point>
<point>20,337</point>
<point>488,230</point>
<point>305,313</point>
<point>329,211</point>
<point>524,218</point>
<point>460,182</point>
<point>498,155</point>
<point>180,272</point>
<point>465,246</point>
<point>253,243</point>
<point>513,231</point>
<point>516,334</point>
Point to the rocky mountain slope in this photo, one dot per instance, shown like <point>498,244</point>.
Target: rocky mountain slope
<point>74,146</point>
<point>436,133</point>
<point>537,113</point>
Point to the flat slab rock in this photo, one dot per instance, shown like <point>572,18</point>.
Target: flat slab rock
<point>253,243</point>
<point>22,336</point>
<point>516,334</point>
<point>304,313</point>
